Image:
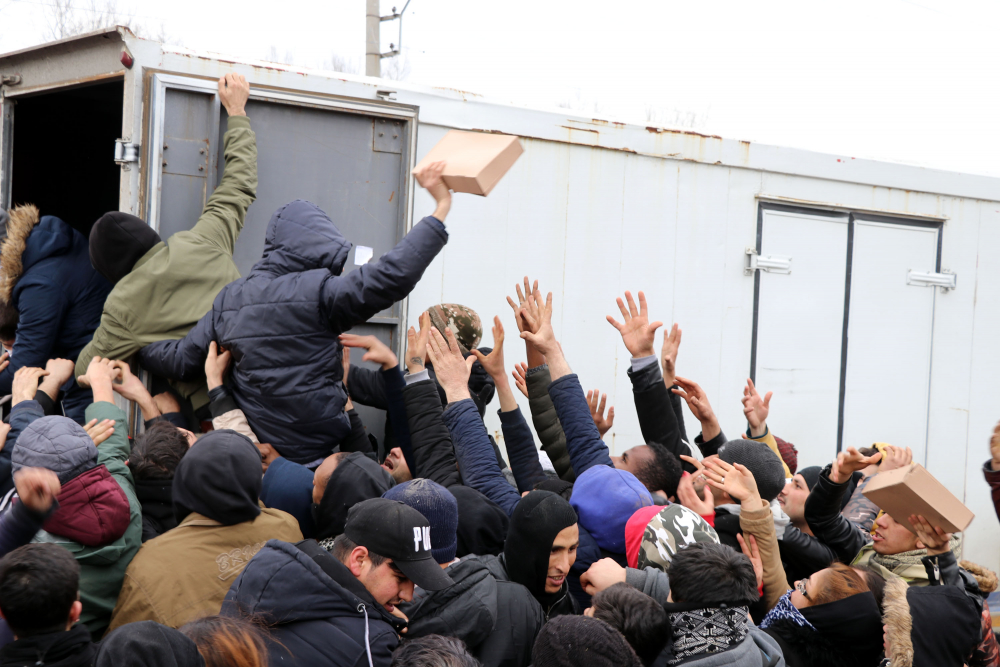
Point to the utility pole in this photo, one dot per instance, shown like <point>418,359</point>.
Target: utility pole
<point>373,43</point>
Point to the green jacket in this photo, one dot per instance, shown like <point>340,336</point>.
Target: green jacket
<point>102,569</point>
<point>546,421</point>
<point>173,285</point>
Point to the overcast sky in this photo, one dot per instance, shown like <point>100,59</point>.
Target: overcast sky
<point>911,81</point>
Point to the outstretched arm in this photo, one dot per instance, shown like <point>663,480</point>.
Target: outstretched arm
<point>182,359</point>
<point>226,210</point>
<point>822,511</point>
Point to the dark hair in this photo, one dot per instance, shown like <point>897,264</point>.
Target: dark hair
<point>713,574</point>
<point>157,451</point>
<point>640,618</point>
<point>343,546</point>
<point>876,583</point>
<point>433,651</point>
<point>224,641</point>
<point>662,472</point>
<point>38,585</point>
<point>9,318</point>
<point>842,582</point>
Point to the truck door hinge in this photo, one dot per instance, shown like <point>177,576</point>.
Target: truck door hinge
<point>126,152</point>
<point>10,79</point>
<point>945,280</point>
<point>767,263</point>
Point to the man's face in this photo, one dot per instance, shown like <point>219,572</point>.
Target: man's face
<point>387,585</point>
<point>322,476</point>
<point>793,498</point>
<point>634,459</point>
<point>892,537</point>
<point>396,466</point>
<point>562,557</point>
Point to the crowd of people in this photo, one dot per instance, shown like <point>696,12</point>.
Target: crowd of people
<point>255,521</point>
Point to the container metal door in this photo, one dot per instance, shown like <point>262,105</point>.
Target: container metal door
<point>799,328</point>
<point>889,337</point>
<point>351,159</point>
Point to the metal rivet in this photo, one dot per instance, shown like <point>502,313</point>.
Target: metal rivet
<point>395,136</point>
<point>164,164</point>
<point>201,169</point>
<point>380,134</point>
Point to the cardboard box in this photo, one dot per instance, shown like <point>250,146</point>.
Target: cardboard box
<point>475,161</point>
<point>913,490</point>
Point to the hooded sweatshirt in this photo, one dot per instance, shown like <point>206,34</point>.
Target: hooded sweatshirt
<point>94,506</point>
<point>215,489</point>
<point>282,323</point>
<point>173,284</point>
<point>534,525</point>
<point>45,273</point>
<point>355,478</point>
<point>148,644</point>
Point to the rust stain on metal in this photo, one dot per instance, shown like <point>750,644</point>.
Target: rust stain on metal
<point>476,129</point>
<point>393,194</point>
<point>456,90</point>
<point>618,124</point>
<point>579,129</point>
<point>598,121</point>
<point>664,130</point>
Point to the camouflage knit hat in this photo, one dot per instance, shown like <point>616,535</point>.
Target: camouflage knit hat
<point>463,322</point>
<point>673,528</point>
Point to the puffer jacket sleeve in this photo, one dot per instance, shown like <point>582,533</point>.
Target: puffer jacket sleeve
<point>521,450</point>
<point>476,458</point>
<point>114,451</point>
<point>355,297</point>
<point>19,525</point>
<point>657,419</point>
<point>429,435</point>
<point>822,513</point>
<point>586,449</point>
<point>547,426</point>
<point>182,359</point>
<point>41,307</point>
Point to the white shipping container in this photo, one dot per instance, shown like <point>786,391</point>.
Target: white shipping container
<point>864,294</point>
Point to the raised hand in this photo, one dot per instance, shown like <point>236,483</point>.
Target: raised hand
<point>689,497</point>
<point>751,552</point>
<point>451,369</point>
<point>847,463</point>
<point>216,364</point>
<point>528,290</point>
<point>668,355</point>
<point>934,539</point>
<point>603,423</point>
<point>416,344</point>
<point>431,178</point>
<point>602,574</point>
<point>736,480</point>
<point>538,323</point>
<point>520,374</point>
<point>37,488</point>
<point>377,351</point>
<point>994,447</point>
<point>756,409</point>
<point>895,457</point>
<point>697,402</point>
<point>59,372</point>
<point>100,431</point>
<point>493,362</point>
<point>234,91</point>
<point>26,384</point>
<point>637,332</point>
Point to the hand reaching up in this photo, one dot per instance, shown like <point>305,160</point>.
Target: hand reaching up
<point>538,323</point>
<point>995,447</point>
<point>520,374</point>
<point>377,351</point>
<point>751,552</point>
<point>100,431</point>
<point>416,344</point>
<point>431,178</point>
<point>756,409</point>
<point>668,355</point>
<point>25,384</point>
<point>637,332</point>
<point>37,488</point>
<point>895,457</point>
<point>689,497</point>
<point>451,369</point>
<point>602,421</point>
<point>849,462</point>
<point>521,298</point>
<point>216,364</point>
<point>493,362</point>
<point>697,402</point>
<point>934,539</point>
<point>736,480</point>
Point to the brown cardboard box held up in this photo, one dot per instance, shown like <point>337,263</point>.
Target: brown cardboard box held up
<point>913,490</point>
<point>475,161</point>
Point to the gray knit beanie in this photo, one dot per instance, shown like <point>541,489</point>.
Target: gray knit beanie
<point>761,461</point>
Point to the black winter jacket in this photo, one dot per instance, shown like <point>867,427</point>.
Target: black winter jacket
<point>657,408</point>
<point>497,619</point>
<point>803,554</point>
<point>282,323</point>
<point>318,613</point>
<point>822,513</point>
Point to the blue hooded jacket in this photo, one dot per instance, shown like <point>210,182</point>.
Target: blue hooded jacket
<point>282,321</point>
<point>45,273</point>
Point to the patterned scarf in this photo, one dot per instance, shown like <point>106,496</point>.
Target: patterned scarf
<point>327,543</point>
<point>785,611</point>
<point>906,564</point>
<point>708,631</point>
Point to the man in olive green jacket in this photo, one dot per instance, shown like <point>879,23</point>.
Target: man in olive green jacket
<point>161,290</point>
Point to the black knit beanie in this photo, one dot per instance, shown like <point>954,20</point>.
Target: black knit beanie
<point>117,241</point>
<point>761,461</point>
<point>811,475</point>
<point>581,641</point>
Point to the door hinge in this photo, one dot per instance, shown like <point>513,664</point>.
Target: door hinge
<point>945,280</point>
<point>10,79</point>
<point>767,263</point>
<point>126,152</point>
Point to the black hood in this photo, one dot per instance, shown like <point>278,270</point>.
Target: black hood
<point>148,644</point>
<point>467,610</point>
<point>946,626</point>
<point>71,648</point>
<point>482,524</point>
<point>220,478</point>
<point>356,478</point>
<point>853,623</point>
<point>536,521</point>
<point>117,241</point>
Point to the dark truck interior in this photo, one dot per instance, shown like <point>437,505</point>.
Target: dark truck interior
<point>64,145</point>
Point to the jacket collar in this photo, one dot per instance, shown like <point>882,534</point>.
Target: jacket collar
<point>22,220</point>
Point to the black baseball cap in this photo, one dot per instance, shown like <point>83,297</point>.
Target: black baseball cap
<point>397,531</point>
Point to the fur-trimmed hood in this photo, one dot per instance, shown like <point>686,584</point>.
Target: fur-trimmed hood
<point>987,579</point>
<point>22,249</point>
<point>929,626</point>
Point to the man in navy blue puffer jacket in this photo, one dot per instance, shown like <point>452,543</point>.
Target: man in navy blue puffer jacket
<point>45,273</point>
<point>282,322</point>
